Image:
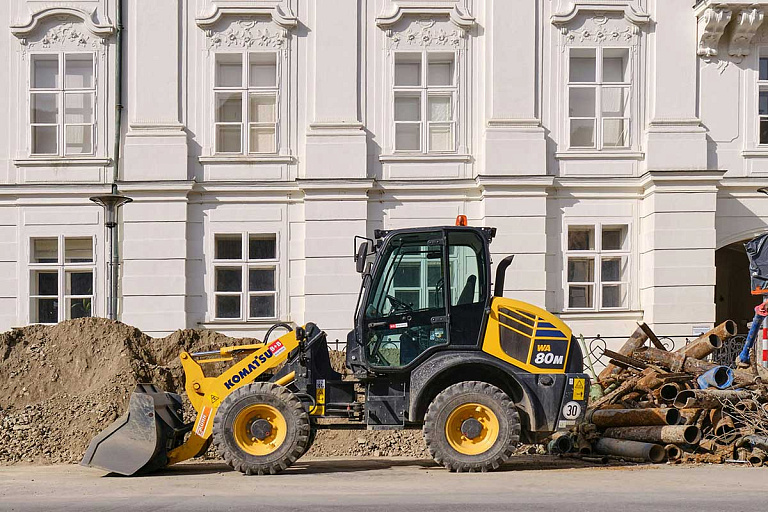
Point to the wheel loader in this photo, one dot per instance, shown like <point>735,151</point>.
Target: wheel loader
<point>433,347</point>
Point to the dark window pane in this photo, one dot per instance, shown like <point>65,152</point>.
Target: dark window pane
<point>47,283</point>
<point>78,250</point>
<point>581,270</point>
<point>764,68</point>
<point>47,310</point>
<point>764,131</point>
<point>261,280</point>
<point>262,248</point>
<point>79,308</point>
<point>229,280</point>
<point>763,103</point>
<point>262,306</point>
<point>410,297</point>
<point>580,297</point>
<point>581,239</point>
<point>228,247</point>
<point>228,306</point>
<point>45,250</point>
<point>408,275</point>
<point>614,238</point>
<point>611,269</point>
<point>80,283</point>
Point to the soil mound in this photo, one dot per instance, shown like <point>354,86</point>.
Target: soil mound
<point>60,385</point>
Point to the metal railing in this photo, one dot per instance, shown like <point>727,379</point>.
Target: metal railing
<point>725,356</point>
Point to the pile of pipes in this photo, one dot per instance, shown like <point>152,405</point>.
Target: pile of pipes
<point>676,406</point>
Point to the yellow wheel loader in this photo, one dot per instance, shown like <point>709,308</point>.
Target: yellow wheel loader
<point>433,347</point>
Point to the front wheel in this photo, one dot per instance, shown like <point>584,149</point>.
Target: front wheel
<point>471,426</point>
<point>261,428</point>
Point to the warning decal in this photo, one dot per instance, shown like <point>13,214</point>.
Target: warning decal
<point>579,386</point>
<point>202,421</point>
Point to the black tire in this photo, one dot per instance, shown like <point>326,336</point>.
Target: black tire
<point>297,428</point>
<point>471,392</point>
<point>312,437</point>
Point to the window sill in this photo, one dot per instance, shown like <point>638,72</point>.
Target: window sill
<point>616,314</point>
<point>421,157</point>
<point>600,155</point>
<point>250,159</point>
<point>89,161</point>
<point>242,324</point>
<point>755,153</point>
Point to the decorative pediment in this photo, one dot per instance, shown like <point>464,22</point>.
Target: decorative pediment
<point>742,18</point>
<point>76,18</point>
<point>603,8</point>
<point>600,29</point>
<point>396,11</point>
<point>279,15</point>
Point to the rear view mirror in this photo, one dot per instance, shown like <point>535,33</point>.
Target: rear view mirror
<point>360,256</point>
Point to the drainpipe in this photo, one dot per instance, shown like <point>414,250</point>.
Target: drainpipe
<point>115,264</point>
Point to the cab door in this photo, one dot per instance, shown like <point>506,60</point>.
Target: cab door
<point>406,312</point>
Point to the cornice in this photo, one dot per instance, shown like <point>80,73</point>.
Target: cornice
<point>283,17</point>
<point>27,27</point>
<point>624,8</point>
<point>395,11</point>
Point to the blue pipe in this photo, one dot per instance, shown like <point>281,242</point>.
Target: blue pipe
<point>757,322</point>
<point>720,377</point>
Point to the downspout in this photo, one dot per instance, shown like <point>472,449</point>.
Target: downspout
<point>115,270</point>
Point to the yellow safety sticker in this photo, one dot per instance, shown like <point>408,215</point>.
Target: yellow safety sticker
<point>578,389</point>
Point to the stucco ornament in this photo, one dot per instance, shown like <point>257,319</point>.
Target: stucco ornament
<point>426,33</point>
<point>65,34</point>
<point>600,29</point>
<point>247,34</point>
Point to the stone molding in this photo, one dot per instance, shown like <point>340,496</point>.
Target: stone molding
<point>89,20</point>
<point>395,11</point>
<point>282,17</point>
<point>600,8</point>
<point>713,17</point>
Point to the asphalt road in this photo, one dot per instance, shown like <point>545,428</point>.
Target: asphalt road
<point>391,484</point>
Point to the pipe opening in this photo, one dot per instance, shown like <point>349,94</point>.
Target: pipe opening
<point>669,391</point>
<point>656,453</point>
<point>673,452</point>
<point>721,376</point>
<point>715,341</point>
<point>681,400</point>
<point>730,327</point>
<point>692,434</point>
<point>672,416</point>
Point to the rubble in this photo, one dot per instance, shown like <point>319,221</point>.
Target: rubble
<point>676,406</point>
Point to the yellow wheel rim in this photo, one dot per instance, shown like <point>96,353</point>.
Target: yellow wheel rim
<point>487,436</point>
<point>251,444</point>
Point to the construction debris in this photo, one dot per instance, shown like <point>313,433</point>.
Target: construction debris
<point>675,406</point>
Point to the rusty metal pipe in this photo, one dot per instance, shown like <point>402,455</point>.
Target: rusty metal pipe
<point>757,457</point>
<point>708,398</point>
<point>647,452</point>
<point>677,362</point>
<point>633,417</point>
<point>689,416</point>
<point>669,392</point>
<point>667,434</point>
<point>702,346</point>
<point>635,341</point>
<point>673,452</point>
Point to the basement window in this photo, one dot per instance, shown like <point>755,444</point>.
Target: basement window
<point>245,276</point>
<point>61,279</point>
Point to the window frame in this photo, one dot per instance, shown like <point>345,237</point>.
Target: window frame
<point>245,264</point>
<point>61,91</point>
<point>246,91</point>
<point>424,92</point>
<point>598,254</point>
<point>63,269</point>
<point>761,86</point>
<point>599,85</point>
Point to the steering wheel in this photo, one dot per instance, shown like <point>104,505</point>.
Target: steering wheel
<point>399,305</point>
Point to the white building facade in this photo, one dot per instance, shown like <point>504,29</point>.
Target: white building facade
<point>617,145</point>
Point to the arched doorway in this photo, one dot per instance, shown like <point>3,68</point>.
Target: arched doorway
<point>733,298</point>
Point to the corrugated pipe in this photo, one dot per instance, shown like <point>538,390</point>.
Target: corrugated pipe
<point>719,377</point>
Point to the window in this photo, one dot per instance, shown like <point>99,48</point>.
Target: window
<point>62,104</point>
<point>599,92</point>
<point>245,276</point>
<point>245,103</point>
<point>762,108</point>
<point>61,273</point>
<point>597,267</point>
<point>425,102</point>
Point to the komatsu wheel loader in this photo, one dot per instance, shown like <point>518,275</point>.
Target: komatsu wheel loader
<point>433,347</point>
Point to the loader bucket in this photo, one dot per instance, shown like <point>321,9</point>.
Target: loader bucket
<point>139,440</point>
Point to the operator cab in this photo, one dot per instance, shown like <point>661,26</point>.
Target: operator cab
<point>427,290</point>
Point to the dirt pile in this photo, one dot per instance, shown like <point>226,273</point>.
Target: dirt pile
<point>60,385</point>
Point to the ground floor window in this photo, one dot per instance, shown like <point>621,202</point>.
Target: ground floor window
<point>61,278</point>
<point>597,263</point>
<point>245,276</point>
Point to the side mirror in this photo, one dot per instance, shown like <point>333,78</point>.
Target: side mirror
<point>360,257</point>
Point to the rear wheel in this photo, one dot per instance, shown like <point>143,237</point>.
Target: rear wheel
<point>261,428</point>
<point>471,426</point>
